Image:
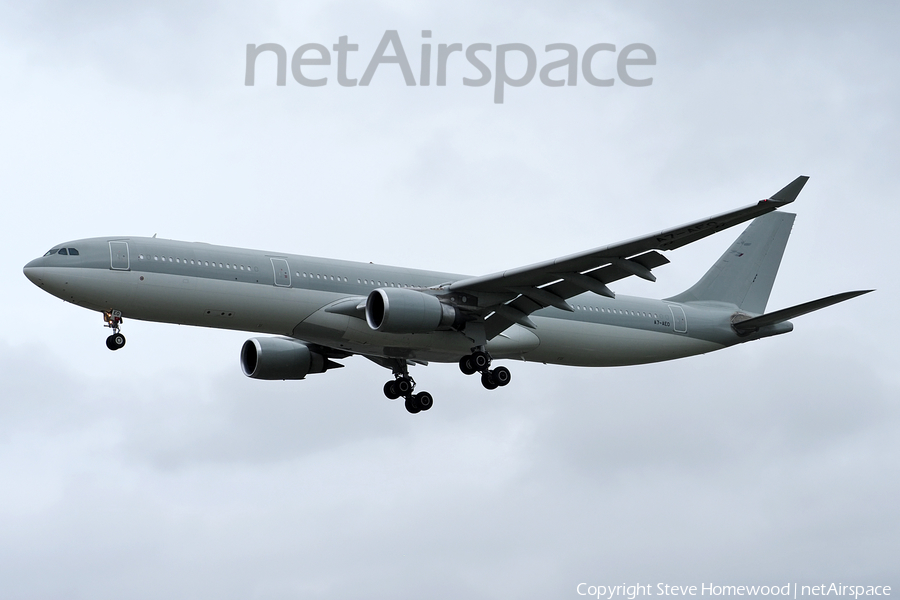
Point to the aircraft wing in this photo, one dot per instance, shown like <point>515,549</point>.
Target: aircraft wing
<point>514,294</point>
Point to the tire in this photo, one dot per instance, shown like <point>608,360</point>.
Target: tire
<point>412,405</point>
<point>480,360</point>
<point>390,390</point>
<point>110,343</point>
<point>466,366</point>
<point>404,386</point>
<point>487,380</point>
<point>501,376</point>
<point>118,340</point>
<point>425,400</point>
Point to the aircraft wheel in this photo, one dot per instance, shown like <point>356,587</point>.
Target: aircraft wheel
<point>412,405</point>
<point>480,360</point>
<point>501,376</point>
<point>466,366</point>
<point>115,341</point>
<point>425,400</point>
<point>487,380</point>
<point>390,390</point>
<point>404,386</point>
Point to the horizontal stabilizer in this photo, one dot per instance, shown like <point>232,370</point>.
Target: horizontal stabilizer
<point>785,314</point>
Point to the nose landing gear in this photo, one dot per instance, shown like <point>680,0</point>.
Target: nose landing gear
<point>113,320</point>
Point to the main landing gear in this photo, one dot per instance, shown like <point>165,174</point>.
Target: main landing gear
<point>403,385</point>
<point>113,320</point>
<point>480,362</point>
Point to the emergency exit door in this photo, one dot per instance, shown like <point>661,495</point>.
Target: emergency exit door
<point>282,272</point>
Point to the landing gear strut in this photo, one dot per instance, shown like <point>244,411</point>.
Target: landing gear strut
<point>480,362</point>
<point>403,385</point>
<point>113,320</point>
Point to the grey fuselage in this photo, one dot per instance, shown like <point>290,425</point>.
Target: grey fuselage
<point>261,292</point>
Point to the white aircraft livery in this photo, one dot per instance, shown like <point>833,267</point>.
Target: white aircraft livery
<point>319,310</point>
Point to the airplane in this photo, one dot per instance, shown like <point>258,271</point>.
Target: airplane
<point>322,310</point>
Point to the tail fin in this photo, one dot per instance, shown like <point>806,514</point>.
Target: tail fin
<point>745,274</point>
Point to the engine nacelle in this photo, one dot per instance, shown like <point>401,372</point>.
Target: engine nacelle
<point>280,358</point>
<point>400,310</point>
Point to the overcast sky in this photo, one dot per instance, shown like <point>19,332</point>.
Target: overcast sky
<point>162,472</point>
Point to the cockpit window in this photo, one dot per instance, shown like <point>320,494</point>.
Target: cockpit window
<point>63,251</point>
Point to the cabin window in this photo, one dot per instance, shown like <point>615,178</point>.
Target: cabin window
<point>73,252</point>
<point>63,251</point>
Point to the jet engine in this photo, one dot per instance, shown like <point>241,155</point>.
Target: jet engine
<point>400,310</point>
<point>281,358</point>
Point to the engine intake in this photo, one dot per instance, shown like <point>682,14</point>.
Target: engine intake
<point>399,310</point>
<point>281,358</point>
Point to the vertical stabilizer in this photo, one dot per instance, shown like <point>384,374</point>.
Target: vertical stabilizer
<point>745,274</point>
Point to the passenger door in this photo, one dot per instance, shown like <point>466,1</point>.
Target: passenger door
<point>118,256</point>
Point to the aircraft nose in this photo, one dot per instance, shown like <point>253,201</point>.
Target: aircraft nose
<point>33,271</point>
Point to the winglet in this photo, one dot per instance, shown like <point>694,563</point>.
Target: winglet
<point>789,193</point>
